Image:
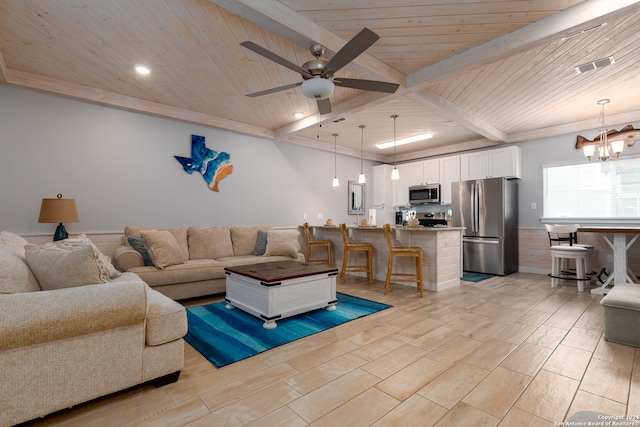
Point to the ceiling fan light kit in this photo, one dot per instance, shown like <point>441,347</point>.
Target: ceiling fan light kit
<point>317,88</point>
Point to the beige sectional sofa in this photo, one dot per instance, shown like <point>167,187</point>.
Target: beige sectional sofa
<point>189,262</point>
<point>73,329</point>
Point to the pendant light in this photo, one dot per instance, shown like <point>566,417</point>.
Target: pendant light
<point>606,148</point>
<point>394,173</point>
<point>361,177</point>
<point>336,182</point>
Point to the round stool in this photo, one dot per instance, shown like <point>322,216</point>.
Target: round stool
<point>562,254</point>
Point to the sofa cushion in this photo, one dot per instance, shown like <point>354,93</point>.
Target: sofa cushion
<point>163,248</point>
<point>65,267</point>
<point>261,243</point>
<point>282,243</point>
<point>244,240</point>
<point>15,274</point>
<point>190,271</point>
<point>166,319</point>
<point>209,242</point>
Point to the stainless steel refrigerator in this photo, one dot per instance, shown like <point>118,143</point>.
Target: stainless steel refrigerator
<point>488,208</point>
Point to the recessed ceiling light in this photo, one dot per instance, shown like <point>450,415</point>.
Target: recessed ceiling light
<point>141,69</point>
<point>415,138</point>
<point>298,115</point>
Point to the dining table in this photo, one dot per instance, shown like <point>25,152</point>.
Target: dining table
<point>616,238</point>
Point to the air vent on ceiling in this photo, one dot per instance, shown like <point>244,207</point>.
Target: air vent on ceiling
<point>598,63</point>
<point>339,120</point>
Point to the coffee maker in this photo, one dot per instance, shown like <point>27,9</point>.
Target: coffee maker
<point>403,216</point>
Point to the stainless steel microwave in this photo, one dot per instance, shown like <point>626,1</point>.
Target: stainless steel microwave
<point>429,193</point>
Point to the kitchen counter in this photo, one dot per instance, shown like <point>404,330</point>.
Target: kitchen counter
<point>441,246</point>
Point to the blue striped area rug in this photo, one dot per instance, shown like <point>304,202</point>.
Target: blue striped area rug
<point>226,336</point>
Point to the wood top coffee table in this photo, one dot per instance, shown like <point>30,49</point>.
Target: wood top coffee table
<point>275,290</point>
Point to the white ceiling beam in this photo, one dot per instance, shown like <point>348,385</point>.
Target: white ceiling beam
<point>99,96</point>
<point>578,17</point>
<point>443,106</point>
<point>3,69</point>
<point>279,19</point>
<point>616,121</point>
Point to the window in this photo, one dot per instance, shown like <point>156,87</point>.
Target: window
<point>593,190</point>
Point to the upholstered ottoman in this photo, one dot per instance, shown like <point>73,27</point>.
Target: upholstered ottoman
<point>621,307</point>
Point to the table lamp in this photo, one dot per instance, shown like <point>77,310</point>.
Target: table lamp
<point>58,210</point>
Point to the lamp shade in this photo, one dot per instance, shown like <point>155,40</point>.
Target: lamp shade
<point>317,88</point>
<point>58,210</point>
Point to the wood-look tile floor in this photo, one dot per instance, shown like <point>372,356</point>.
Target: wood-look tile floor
<point>508,351</point>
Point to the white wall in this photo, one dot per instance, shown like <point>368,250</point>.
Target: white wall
<point>119,166</point>
<point>551,150</point>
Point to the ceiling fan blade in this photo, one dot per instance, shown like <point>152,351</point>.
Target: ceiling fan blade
<point>275,58</point>
<point>350,51</point>
<point>273,90</point>
<point>324,106</point>
<point>372,85</point>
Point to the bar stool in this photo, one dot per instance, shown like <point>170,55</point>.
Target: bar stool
<point>564,253</point>
<point>567,234</point>
<point>314,242</point>
<point>350,245</point>
<point>402,251</point>
<point>565,250</point>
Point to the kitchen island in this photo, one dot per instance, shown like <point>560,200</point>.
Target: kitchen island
<point>441,246</point>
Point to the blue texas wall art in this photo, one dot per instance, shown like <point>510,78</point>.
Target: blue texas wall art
<point>213,165</point>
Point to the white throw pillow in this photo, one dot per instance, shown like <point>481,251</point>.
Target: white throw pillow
<point>163,248</point>
<point>282,243</point>
<point>64,267</point>
<point>103,260</point>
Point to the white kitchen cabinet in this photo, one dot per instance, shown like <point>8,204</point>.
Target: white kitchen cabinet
<point>381,186</point>
<point>401,186</point>
<point>416,173</point>
<point>431,171</point>
<point>449,173</point>
<point>501,162</point>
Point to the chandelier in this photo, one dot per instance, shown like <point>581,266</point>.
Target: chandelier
<point>606,148</point>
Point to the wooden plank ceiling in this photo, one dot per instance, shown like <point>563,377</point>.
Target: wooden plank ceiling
<point>501,71</point>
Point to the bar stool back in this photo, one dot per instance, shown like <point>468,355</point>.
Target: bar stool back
<point>350,245</point>
<point>314,242</point>
<point>402,251</point>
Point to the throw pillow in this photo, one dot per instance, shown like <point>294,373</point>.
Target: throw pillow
<point>15,274</point>
<point>261,243</point>
<point>103,261</point>
<point>137,243</point>
<point>14,240</point>
<point>210,242</point>
<point>163,248</point>
<point>282,243</point>
<point>57,268</point>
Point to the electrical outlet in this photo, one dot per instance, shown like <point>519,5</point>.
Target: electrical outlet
<point>533,206</point>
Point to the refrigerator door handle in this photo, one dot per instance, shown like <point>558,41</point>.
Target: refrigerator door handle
<point>474,209</point>
<point>492,242</point>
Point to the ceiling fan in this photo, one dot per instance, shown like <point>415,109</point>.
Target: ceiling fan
<point>318,74</point>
